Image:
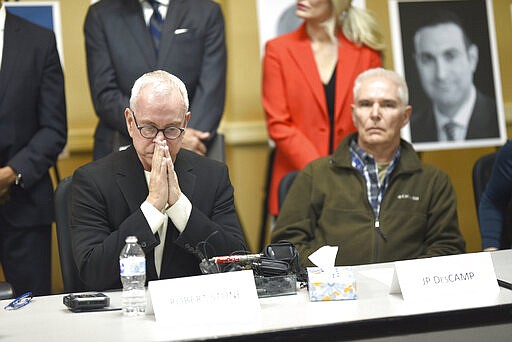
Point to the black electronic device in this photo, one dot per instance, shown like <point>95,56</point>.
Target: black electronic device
<point>276,269</point>
<point>286,252</point>
<point>86,301</point>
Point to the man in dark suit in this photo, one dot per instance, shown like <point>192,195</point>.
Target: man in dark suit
<point>446,61</point>
<point>179,204</point>
<point>120,48</point>
<point>33,132</point>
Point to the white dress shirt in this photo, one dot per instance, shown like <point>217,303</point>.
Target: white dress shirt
<point>148,10</point>
<point>461,119</point>
<point>2,27</point>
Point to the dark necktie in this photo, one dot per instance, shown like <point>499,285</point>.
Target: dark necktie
<point>449,129</point>
<point>155,24</point>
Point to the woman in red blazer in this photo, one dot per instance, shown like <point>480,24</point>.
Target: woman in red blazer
<point>308,76</point>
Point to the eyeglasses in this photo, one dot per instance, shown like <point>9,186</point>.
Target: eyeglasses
<point>150,131</point>
<point>19,302</point>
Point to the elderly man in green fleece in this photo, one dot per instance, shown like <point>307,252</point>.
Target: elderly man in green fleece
<point>373,197</point>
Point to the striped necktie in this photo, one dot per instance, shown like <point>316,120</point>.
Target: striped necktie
<point>155,24</point>
<point>449,130</point>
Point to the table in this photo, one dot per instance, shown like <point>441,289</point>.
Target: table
<point>375,315</point>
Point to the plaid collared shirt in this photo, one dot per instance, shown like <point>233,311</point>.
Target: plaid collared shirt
<point>365,164</point>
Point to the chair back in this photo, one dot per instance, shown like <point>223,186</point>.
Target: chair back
<point>265,226</point>
<point>217,149</point>
<point>482,171</point>
<point>284,185</point>
<point>70,277</point>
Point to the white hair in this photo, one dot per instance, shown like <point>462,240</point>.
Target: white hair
<point>402,90</point>
<point>162,82</point>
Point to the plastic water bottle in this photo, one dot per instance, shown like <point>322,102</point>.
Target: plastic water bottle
<point>132,263</point>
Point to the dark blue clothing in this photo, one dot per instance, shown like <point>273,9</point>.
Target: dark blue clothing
<point>33,132</point>
<point>495,198</point>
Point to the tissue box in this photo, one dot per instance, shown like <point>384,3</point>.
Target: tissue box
<point>336,283</point>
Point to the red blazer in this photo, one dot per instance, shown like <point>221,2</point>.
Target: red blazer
<point>295,104</point>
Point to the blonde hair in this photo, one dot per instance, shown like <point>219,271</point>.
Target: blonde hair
<point>358,25</point>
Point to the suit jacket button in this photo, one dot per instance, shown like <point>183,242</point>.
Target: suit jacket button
<point>143,244</point>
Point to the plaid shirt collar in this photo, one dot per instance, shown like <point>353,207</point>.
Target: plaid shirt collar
<point>367,166</point>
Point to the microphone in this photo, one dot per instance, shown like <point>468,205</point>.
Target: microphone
<point>241,259</point>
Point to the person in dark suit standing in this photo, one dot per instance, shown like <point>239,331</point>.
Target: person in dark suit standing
<point>446,60</point>
<point>179,204</point>
<point>127,38</point>
<point>33,131</point>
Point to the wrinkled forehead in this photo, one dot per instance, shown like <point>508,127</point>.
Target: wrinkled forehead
<point>160,98</point>
<point>377,87</point>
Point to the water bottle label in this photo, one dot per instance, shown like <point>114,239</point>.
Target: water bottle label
<point>133,266</point>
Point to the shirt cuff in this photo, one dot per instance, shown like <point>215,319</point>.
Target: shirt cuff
<point>179,213</point>
<point>154,217</point>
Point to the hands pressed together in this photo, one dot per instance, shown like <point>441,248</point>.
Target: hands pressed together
<point>163,184</point>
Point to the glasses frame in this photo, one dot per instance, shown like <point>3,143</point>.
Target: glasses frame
<point>19,302</point>
<point>158,130</point>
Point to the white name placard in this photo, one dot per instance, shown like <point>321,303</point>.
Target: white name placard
<point>464,275</point>
<point>212,298</point>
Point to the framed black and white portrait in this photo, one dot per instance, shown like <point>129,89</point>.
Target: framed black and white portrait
<point>446,50</point>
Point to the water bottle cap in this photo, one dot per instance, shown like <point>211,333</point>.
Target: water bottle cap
<point>131,239</point>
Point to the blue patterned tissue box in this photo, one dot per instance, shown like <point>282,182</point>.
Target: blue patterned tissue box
<point>336,283</point>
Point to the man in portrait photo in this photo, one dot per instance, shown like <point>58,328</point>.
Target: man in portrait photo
<point>446,61</point>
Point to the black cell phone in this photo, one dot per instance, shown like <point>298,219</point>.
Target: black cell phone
<point>86,301</point>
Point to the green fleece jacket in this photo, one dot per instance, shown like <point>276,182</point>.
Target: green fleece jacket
<point>328,205</point>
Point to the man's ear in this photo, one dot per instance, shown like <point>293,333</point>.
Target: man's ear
<point>129,118</point>
<point>473,56</point>
<point>187,119</point>
<point>407,116</point>
<point>353,108</point>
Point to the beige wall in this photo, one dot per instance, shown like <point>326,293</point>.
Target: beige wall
<point>81,117</point>
<point>243,124</point>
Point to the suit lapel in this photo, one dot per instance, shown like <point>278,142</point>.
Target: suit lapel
<point>13,45</point>
<point>424,126</point>
<point>302,55</point>
<point>135,24</point>
<point>175,14</point>
<point>186,175</point>
<point>131,180</point>
<point>483,122</point>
